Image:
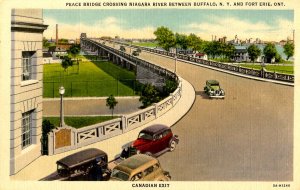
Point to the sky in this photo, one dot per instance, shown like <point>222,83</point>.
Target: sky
<point>269,25</point>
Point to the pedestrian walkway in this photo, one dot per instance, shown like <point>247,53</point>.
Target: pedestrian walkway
<point>46,165</point>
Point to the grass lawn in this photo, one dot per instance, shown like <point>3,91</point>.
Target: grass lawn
<point>78,122</point>
<point>277,68</point>
<point>146,44</point>
<point>95,78</point>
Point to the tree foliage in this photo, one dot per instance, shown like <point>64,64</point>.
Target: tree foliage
<point>66,62</point>
<point>74,50</point>
<point>165,37</point>
<point>218,49</point>
<point>111,102</point>
<point>170,86</point>
<point>149,95</point>
<point>195,42</point>
<point>47,126</point>
<point>289,50</point>
<point>181,41</point>
<point>253,52</point>
<point>270,52</point>
<point>45,43</point>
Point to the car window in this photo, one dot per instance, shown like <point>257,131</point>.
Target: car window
<point>158,136</point>
<point>165,133</point>
<point>136,177</point>
<point>146,136</point>
<point>149,170</point>
<point>120,175</point>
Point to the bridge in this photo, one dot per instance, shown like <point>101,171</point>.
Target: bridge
<point>248,136</point>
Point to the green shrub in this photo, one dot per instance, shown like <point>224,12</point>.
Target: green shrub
<point>149,95</point>
<point>47,126</point>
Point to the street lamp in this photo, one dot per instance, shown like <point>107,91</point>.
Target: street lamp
<point>61,92</point>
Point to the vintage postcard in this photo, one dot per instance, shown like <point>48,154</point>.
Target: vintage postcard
<point>149,94</point>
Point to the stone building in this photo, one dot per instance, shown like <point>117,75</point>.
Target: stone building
<point>27,29</point>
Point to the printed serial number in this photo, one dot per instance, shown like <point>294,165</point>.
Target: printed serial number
<point>281,185</point>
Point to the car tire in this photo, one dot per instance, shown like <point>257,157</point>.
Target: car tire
<point>172,145</point>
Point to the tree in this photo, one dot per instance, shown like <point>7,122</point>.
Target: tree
<point>195,42</point>
<point>111,102</point>
<point>149,95</point>
<point>270,52</point>
<point>182,40</point>
<point>66,62</point>
<point>227,50</point>
<point>74,50</point>
<point>45,43</point>
<point>253,52</point>
<point>165,37</point>
<point>169,87</point>
<point>289,50</point>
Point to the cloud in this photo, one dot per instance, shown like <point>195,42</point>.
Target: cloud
<point>109,26</point>
<point>231,26</point>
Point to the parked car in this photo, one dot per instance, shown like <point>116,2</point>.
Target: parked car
<point>213,89</point>
<point>153,140</point>
<point>139,167</point>
<point>89,164</point>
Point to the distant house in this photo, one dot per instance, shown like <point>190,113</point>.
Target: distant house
<point>200,55</point>
<point>51,54</point>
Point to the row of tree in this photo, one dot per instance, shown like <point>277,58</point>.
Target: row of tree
<point>168,39</point>
<point>270,52</point>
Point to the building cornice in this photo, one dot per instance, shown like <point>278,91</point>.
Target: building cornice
<point>28,27</point>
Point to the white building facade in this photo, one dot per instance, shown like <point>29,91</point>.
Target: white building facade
<point>26,87</point>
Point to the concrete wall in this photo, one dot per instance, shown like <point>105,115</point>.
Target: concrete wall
<point>26,35</point>
<point>145,75</point>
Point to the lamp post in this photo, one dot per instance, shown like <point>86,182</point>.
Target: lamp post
<point>61,92</point>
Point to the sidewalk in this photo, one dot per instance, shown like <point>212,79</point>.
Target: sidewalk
<point>46,165</point>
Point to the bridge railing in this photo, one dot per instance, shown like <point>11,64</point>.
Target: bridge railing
<point>233,68</point>
<point>68,138</point>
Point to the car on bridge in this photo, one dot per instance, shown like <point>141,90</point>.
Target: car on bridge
<point>213,89</point>
<point>153,140</point>
<point>139,167</point>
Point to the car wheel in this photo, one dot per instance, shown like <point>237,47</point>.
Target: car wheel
<point>172,145</point>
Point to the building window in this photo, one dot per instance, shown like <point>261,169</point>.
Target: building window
<point>26,129</point>
<point>27,65</point>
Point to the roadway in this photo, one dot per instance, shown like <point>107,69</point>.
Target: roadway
<point>248,136</point>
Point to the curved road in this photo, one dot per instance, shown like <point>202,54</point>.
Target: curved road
<point>248,136</point>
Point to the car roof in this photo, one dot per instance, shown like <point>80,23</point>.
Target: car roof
<point>136,163</point>
<point>212,82</point>
<point>81,157</point>
<point>155,128</point>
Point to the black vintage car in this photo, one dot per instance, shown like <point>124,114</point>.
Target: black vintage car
<point>89,164</point>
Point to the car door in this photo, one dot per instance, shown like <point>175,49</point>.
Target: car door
<point>166,137</point>
<point>158,144</point>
